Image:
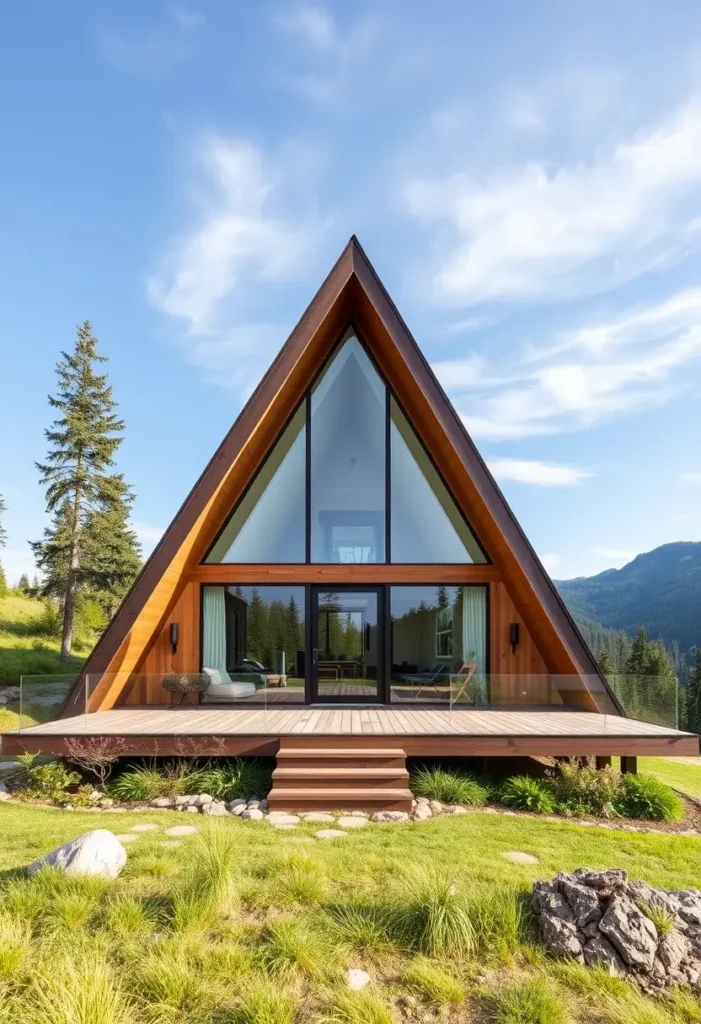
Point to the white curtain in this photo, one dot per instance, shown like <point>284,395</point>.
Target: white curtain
<point>214,629</point>
<point>474,627</point>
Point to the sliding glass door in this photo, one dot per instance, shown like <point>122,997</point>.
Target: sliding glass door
<point>347,646</point>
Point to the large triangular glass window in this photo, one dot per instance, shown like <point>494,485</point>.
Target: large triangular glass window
<point>348,433</point>
<point>427,526</point>
<point>268,524</point>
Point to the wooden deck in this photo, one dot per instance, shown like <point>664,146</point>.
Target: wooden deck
<point>427,731</point>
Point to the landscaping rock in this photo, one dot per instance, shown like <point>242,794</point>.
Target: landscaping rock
<point>689,906</point>
<point>583,900</point>
<point>422,813</point>
<point>548,902</point>
<point>181,830</point>
<point>106,802</point>
<point>631,932</point>
<point>95,853</point>
<point>330,833</point>
<point>388,816</point>
<point>520,858</point>
<point>216,808</point>
<point>436,806</point>
<point>238,802</point>
<point>252,803</point>
<point>612,879</point>
<point>459,810</point>
<point>357,979</point>
<point>351,821</point>
<point>253,814</point>
<point>282,818</point>
<point>162,801</point>
<point>673,949</point>
<point>202,799</point>
<point>192,809</point>
<point>598,951</point>
<point>561,938</point>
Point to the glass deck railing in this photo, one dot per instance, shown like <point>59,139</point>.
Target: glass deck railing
<point>41,698</point>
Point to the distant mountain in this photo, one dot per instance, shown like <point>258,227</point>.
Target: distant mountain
<point>660,590</point>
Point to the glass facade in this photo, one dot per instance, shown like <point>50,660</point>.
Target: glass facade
<point>253,643</point>
<point>439,645</point>
<point>427,526</point>
<point>268,525</point>
<point>348,460</point>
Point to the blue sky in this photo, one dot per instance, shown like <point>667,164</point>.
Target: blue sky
<point>526,180</point>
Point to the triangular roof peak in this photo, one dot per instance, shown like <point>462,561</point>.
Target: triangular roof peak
<point>352,293</point>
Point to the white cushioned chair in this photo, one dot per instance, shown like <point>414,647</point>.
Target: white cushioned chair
<point>222,688</point>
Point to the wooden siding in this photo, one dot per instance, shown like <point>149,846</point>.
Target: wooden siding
<point>367,575</point>
<point>520,676</point>
<point>145,687</point>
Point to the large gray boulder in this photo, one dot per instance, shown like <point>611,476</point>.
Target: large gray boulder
<point>630,931</point>
<point>672,950</point>
<point>583,901</point>
<point>95,853</point>
<point>561,938</point>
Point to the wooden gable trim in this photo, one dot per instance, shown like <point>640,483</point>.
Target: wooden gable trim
<point>352,292</point>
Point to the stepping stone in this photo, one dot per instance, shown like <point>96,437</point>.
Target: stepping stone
<point>181,830</point>
<point>318,816</point>
<point>144,828</point>
<point>282,818</point>
<point>170,844</point>
<point>351,821</point>
<point>329,833</point>
<point>520,858</point>
<point>127,838</point>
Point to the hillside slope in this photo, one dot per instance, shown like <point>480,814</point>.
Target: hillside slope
<point>660,590</point>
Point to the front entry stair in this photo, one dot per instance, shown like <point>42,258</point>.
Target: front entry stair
<point>326,777</point>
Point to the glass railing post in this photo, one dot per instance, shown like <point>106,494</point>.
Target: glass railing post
<point>21,699</point>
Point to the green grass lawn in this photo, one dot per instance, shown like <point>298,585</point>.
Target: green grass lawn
<point>682,774</point>
<point>245,924</point>
<point>23,648</point>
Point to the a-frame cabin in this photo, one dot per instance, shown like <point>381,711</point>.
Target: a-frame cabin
<point>352,585</point>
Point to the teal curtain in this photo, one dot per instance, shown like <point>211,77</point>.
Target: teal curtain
<point>214,629</point>
<point>474,627</point>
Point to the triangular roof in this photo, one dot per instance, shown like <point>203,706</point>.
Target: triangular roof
<point>351,293</point>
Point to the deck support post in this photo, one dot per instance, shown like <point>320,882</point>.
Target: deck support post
<point>629,765</point>
<point>603,762</point>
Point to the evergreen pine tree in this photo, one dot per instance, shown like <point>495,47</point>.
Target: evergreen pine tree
<point>605,662</point>
<point>3,532</point>
<point>23,583</point>
<point>79,486</point>
<point>693,695</point>
<point>3,582</point>
<point>112,551</point>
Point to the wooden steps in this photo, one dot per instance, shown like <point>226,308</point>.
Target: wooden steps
<point>353,778</point>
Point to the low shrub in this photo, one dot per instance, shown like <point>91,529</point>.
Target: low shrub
<point>532,1002</point>
<point>231,779</point>
<point>433,982</point>
<point>138,783</point>
<point>642,796</point>
<point>580,788</point>
<point>450,786</point>
<point>47,781</point>
<point>525,793</point>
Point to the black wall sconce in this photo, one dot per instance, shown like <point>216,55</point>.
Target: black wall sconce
<point>513,636</point>
<point>174,636</point>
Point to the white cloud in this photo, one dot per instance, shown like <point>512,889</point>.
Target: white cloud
<point>148,536</point>
<point>545,230</point>
<point>692,478</point>
<point>615,556</point>
<point>334,55</point>
<point>249,234</point>
<point>584,377</point>
<point>156,50</point>
<point>544,474</point>
<point>551,562</point>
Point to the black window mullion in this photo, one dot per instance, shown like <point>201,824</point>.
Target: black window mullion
<point>388,474</point>
<point>308,482</point>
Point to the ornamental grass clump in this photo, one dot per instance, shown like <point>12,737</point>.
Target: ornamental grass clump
<point>364,1007</point>
<point>429,913</point>
<point>642,796</point>
<point>263,1002</point>
<point>291,947</point>
<point>500,919</point>
<point>432,982</point>
<point>450,786</point>
<point>229,780</point>
<point>526,793</point>
<point>531,1002</point>
<point>197,901</point>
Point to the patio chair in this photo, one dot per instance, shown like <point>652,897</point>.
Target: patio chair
<point>462,679</point>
